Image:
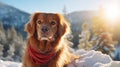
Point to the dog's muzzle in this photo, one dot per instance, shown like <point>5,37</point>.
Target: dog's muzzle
<point>44,29</point>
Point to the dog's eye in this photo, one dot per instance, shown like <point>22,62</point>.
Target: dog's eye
<point>53,22</point>
<point>39,21</point>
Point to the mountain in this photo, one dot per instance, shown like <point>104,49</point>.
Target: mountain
<point>11,16</point>
<point>76,19</point>
<point>81,16</point>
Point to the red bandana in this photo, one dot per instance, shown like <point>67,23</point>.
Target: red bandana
<point>38,57</point>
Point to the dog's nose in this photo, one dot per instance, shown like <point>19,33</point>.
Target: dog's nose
<point>44,29</point>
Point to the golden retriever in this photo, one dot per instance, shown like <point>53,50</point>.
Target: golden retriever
<point>45,43</point>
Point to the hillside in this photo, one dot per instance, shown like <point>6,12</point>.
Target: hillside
<point>11,16</point>
<point>76,19</point>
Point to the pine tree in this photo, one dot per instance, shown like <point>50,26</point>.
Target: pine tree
<point>65,11</point>
<point>1,51</point>
<point>102,36</point>
<point>2,34</point>
<point>11,34</point>
<point>14,34</point>
<point>10,52</point>
<point>1,27</point>
<point>16,44</point>
<point>84,37</point>
<point>20,45</point>
<point>12,44</point>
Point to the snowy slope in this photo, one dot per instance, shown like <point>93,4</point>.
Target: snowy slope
<point>89,59</point>
<point>11,16</point>
<point>81,16</point>
<point>9,64</point>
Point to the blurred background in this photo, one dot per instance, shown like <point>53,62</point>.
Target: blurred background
<point>95,25</point>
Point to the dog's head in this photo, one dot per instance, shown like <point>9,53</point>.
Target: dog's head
<point>47,26</point>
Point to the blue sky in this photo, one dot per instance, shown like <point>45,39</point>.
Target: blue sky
<point>56,6</point>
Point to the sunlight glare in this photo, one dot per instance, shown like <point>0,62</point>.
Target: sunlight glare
<point>112,13</point>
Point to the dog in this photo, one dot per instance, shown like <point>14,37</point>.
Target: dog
<point>45,43</point>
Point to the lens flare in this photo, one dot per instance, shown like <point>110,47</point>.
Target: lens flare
<point>112,13</point>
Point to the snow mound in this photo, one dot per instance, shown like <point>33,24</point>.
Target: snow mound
<point>9,64</point>
<point>88,59</point>
<point>111,64</point>
<point>93,59</point>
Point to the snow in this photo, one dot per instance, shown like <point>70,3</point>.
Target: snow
<point>9,64</point>
<point>88,59</point>
<point>93,59</point>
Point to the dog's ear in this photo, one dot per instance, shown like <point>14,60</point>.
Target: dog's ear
<point>30,26</point>
<point>64,26</point>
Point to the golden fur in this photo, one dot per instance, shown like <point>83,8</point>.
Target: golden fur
<point>52,40</point>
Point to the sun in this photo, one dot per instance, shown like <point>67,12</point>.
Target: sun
<point>111,13</point>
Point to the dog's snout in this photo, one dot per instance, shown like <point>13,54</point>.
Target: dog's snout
<point>44,29</point>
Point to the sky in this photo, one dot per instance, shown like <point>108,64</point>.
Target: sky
<point>57,6</point>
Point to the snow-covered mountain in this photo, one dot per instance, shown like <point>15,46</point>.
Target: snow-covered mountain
<point>76,19</point>
<point>81,16</point>
<point>11,16</point>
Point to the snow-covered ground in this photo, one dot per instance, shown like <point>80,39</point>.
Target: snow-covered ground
<point>93,59</point>
<point>9,64</point>
<point>88,59</point>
